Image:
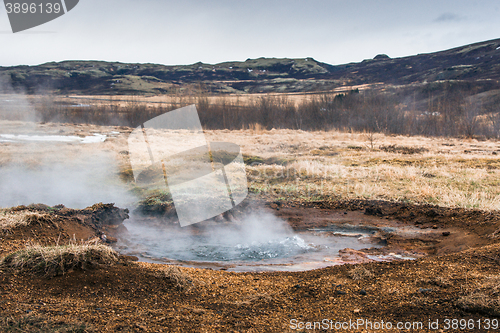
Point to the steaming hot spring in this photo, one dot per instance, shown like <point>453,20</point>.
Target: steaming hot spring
<point>258,239</point>
<point>47,167</point>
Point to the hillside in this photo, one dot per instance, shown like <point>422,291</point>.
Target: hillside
<point>480,61</point>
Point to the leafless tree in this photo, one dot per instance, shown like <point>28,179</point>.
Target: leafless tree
<point>469,117</point>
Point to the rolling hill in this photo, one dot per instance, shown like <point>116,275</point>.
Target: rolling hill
<point>479,62</point>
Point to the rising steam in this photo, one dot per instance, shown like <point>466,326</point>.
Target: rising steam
<point>50,172</point>
<point>77,183</point>
<point>258,235</point>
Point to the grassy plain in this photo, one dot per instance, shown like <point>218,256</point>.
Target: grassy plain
<point>316,165</point>
<point>319,165</point>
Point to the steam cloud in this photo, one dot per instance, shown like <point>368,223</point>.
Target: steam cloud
<point>51,173</point>
<point>79,183</point>
<point>14,105</point>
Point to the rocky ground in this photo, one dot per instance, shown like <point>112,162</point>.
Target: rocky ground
<point>457,279</point>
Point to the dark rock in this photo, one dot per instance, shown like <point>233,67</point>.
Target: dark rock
<point>107,214</point>
<point>129,258</point>
<point>375,211</point>
<point>432,213</point>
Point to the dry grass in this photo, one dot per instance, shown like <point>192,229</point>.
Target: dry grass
<point>39,324</point>
<point>323,164</point>
<point>10,220</point>
<point>179,279</point>
<point>360,273</point>
<point>56,260</point>
<point>483,297</point>
<point>403,149</point>
<point>479,302</point>
<point>445,172</point>
<point>438,280</point>
<point>256,128</point>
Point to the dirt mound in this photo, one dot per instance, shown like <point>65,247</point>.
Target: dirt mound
<point>58,225</point>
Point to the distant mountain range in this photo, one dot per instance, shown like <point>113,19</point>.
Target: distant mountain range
<point>472,63</point>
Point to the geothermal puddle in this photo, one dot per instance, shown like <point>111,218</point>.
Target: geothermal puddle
<point>254,246</point>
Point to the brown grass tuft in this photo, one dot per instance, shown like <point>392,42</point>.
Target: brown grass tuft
<point>56,260</point>
<point>438,281</point>
<point>480,303</point>
<point>10,220</point>
<point>360,273</point>
<point>180,280</point>
<point>483,299</point>
<point>406,150</point>
<point>41,324</point>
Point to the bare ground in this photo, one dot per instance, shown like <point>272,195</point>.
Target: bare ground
<point>138,297</point>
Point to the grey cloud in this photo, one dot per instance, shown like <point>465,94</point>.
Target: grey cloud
<point>449,17</point>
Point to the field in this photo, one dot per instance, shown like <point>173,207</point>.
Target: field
<point>444,190</point>
<point>322,165</point>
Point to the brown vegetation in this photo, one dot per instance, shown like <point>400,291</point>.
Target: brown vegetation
<point>445,110</point>
<point>10,220</point>
<point>57,260</point>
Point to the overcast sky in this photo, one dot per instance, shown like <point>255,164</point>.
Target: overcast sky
<point>188,31</point>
